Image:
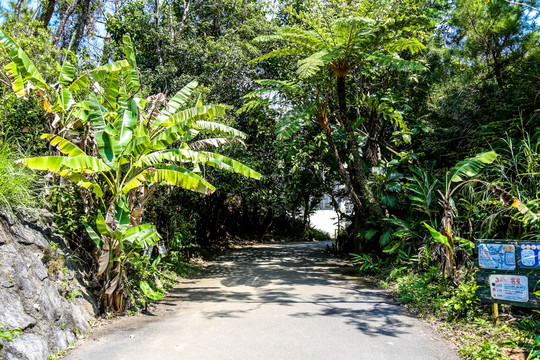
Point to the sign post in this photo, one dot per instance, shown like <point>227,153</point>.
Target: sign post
<point>509,273</point>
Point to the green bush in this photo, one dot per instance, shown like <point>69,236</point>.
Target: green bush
<point>312,234</point>
<point>17,184</point>
<point>430,295</point>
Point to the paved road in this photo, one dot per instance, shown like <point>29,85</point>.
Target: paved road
<point>279,302</point>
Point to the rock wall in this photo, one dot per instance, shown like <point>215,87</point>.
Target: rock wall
<point>33,277</point>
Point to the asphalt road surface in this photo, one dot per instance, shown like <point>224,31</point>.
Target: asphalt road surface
<point>285,301</point>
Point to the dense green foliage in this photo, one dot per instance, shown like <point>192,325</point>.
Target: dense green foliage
<point>423,116</point>
<point>18,186</point>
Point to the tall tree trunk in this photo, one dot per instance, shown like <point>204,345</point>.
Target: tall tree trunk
<point>341,168</point>
<point>47,14</point>
<point>498,74</point>
<point>17,12</point>
<point>306,212</point>
<point>81,24</point>
<point>360,180</point>
<point>63,21</point>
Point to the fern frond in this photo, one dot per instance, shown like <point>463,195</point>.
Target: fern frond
<point>267,38</point>
<point>311,65</point>
<point>291,123</point>
<point>412,45</point>
<point>278,53</point>
<point>303,38</point>
<point>397,63</point>
<point>252,105</point>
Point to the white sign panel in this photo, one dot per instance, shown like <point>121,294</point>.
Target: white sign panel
<point>497,256</point>
<point>509,287</point>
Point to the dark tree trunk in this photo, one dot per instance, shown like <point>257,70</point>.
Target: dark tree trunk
<point>341,169</point>
<point>360,182</point>
<point>48,13</point>
<point>498,75</point>
<point>63,21</point>
<point>81,24</point>
<point>17,12</point>
<point>306,211</point>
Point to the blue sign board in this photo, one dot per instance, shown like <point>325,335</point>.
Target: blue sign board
<point>529,255</point>
<point>497,256</point>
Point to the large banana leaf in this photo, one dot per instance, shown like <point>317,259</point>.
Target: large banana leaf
<point>108,147</point>
<point>96,114</point>
<point>219,129</point>
<point>111,90</point>
<point>132,74</point>
<point>203,157</point>
<point>126,123</point>
<point>98,74</point>
<point>82,181</point>
<point>7,41</point>
<point>64,146</point>
<point>122,213</point>
<point>439,237</point>
<point>194,113</point>
<point>64,101</point>
<point>82,164</point>
<point>175,176</point>
<point>215,142</point>
<point>50,163</point>
<point>102,226</point>
<point>136,147</point>
<point>472,166</point>
<point>179,155</point>
<point>171,134</point>
<point>177,102</point>
<point>93,235</point>
<point>223,162</point>
<point>67,74</point>
<point>17,78</point>
<point>21,69</point>
<point>86,164</point>
<point>142,236</point>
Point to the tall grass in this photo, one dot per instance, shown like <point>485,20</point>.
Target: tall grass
<point>18,186</point>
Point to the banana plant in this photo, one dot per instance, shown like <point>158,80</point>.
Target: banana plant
<point>127,147</point>
<point>457,177</point>
<point>465,172</point>
<point>56,98</point>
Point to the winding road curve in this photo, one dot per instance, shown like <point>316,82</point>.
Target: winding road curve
<point>286,301</point>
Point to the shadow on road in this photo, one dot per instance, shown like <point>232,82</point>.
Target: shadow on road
<point>300,276</point>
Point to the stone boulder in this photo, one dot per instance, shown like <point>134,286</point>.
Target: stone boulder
<point>30,298</point>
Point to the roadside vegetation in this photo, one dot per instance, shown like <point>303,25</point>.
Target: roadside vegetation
<point>422,116</point>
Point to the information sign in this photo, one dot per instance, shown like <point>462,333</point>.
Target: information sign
<point>497,256</point>
<point>161,249</point>
<point>529,254</point>
<point>509,287</point>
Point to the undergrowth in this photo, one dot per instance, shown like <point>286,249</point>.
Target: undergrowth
<point>17,184</point>
<point>457,312</point>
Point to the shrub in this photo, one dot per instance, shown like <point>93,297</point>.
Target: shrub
<point>17,184</point>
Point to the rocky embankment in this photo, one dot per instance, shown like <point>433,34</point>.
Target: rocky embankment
<point>39,292</point>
